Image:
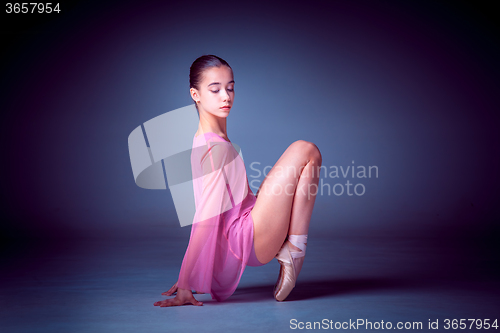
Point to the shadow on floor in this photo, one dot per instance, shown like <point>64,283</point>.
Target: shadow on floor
<point>329,287</point>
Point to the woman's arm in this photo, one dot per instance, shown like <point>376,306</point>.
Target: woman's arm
<point>197,266</point>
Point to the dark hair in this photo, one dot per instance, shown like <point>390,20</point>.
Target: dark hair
<point>202,64</point>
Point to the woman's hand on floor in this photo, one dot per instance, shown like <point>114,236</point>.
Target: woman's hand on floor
<point>183,296</point>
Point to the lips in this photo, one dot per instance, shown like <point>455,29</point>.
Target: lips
<point>226,107</point>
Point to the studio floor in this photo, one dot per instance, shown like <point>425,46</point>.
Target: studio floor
<point>103,285</point>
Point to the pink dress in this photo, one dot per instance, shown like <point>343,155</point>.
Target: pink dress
<point>221,239</point>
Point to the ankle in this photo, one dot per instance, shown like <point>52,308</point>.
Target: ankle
<point>297,245</point>
<point>293,247</point>
<point>298,241</point>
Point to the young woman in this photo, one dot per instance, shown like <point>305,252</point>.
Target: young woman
<point>232,228</point>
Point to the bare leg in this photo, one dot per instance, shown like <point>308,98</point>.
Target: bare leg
<point>285,199</point>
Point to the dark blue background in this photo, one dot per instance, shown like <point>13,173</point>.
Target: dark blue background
<point>409,87</point>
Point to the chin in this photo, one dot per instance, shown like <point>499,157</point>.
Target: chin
<point>223,114</point>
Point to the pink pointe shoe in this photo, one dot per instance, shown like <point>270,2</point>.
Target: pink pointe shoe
<point>291,262</point>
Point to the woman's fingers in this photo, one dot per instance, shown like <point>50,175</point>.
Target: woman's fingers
<point>177,302</point>
<point>171,291</point>
<point>167,302</point>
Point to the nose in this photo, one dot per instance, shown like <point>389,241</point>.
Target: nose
<point>225,95</point>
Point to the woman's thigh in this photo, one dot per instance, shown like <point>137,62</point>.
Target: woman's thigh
<point>272,211</point>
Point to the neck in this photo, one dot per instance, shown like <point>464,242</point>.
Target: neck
<point>211,123</point>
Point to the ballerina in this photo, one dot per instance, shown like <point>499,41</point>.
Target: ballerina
<point>232,227</point>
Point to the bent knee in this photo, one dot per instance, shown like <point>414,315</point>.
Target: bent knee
<point>307,148</point>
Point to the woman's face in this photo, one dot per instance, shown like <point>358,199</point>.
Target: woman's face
<point>216,92</point>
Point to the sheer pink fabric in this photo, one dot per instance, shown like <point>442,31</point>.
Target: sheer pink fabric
<point>222,232</point>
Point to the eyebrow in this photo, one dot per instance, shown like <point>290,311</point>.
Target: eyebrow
<point>214,83</point>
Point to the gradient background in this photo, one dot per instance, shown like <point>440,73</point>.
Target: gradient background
<point>409,87</point>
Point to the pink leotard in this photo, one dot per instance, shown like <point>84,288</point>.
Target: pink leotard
<point>221,241</point>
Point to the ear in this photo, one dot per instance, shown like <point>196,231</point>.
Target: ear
<point>194,94</point>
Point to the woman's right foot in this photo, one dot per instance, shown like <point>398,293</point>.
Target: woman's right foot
<point>291,259</point>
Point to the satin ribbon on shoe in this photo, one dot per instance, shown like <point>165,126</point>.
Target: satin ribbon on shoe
<point>291,262</point>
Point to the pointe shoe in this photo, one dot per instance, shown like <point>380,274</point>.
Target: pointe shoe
<point>289,271</point>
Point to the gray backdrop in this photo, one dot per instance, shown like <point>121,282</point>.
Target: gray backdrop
<point>410,88</point>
